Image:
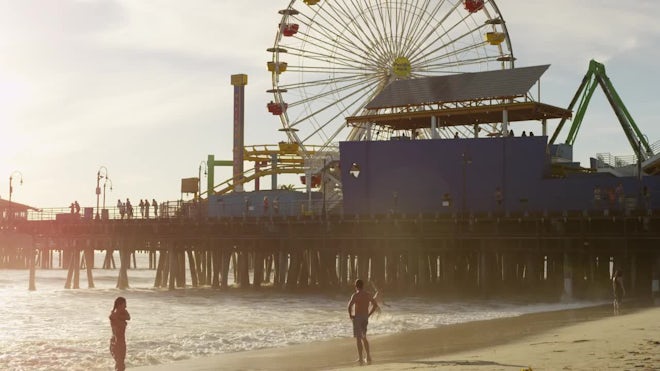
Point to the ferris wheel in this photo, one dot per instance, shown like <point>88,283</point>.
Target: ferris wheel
<point>331,58</point>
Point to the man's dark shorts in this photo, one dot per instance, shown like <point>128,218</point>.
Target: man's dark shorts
<point>360,326</point>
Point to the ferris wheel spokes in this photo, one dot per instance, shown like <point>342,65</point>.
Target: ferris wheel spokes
<point>338,55</point>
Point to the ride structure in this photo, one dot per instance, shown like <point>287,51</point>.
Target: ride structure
<point>354,72</point>
<point>595,77</point>
<point>460,175</point>
<point>330,58</point>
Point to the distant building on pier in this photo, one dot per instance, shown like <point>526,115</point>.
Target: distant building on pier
<point>14,210</point>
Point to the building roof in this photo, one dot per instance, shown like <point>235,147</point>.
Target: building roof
<point>464,99</point>
<point>4,205</point>
<point>461,87</point>
<point>523,111</point>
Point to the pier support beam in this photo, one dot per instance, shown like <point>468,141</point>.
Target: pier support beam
<point>32,286</point>
<point>89,265</point>
<point>124,262</point>
<point>567,293</point>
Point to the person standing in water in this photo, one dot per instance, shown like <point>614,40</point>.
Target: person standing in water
<point>361,300</point>
<point>118,318</point>
<point>618,290</point>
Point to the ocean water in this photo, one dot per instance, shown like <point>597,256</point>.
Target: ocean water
<point>58,329</point>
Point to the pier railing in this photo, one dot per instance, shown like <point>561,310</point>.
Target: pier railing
<point>608,160</point>
<point>184,209</point>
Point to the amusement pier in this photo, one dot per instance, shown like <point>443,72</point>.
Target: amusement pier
<point>415,178</point>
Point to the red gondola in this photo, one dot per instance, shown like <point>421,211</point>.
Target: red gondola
<point>289,29</point>
<point>276,108</point>
<point>473,6</point>
<point>316,180</point>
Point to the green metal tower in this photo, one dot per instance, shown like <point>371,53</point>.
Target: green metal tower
<point>596,76</point>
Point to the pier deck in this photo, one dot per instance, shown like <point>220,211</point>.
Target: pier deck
<point>570,253</point>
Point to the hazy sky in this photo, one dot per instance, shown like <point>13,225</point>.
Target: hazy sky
<point>142,87</point>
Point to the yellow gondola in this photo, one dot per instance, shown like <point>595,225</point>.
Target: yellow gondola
<point>277,67</point>
<point>495,38</point>
<point>288,148</point>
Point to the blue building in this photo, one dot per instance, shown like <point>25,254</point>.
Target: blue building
<point>471,175</point>
<point>452,150</point>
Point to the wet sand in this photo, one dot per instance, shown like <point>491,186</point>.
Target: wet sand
<point>579,339</point>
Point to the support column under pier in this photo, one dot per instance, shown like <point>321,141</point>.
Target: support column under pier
<point>378,266</point>
<point>259,258</point>
<point>655,280</point>
<point>124,262</point>
<point>643,270</point>
<point>192,263</point>
<point>343,267</point>
<point>569,259</point>
<point>486,279</point>
<point>89,264</point>
<point>32,286</point>
<point>162,269</point>
<point>226,252</point>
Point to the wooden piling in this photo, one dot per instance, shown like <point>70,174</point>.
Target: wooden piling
<point>124,262</point>
<point>32,286</point>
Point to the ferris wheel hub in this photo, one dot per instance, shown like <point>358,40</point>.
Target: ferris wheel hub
<point>401,67</point>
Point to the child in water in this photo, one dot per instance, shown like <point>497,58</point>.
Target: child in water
<point>118,317</point>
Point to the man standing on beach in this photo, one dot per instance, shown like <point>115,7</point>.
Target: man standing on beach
<point>361,300</point>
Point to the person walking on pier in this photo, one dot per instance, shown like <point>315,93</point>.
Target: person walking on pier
<point>129,209</point>
<point>154,204</point>
<point>141,208</point>
<point>121,209</point>
<point>146,208</point>
<point>618,290</point>
<point>118,317</point>
<point>361,300</point>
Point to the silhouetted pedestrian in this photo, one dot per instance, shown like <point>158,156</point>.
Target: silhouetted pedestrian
<point>265,205</point>
<point>129,209</point>
<point>121,208</point>
<point>276,205</point>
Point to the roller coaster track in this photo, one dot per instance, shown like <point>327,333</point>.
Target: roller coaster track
<point>255,173</point>
<point>288,160</point>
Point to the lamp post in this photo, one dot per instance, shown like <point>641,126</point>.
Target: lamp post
<point>199,177</point>
<point>105,182</point>
<point>11,189</point>
<point>101,173</point>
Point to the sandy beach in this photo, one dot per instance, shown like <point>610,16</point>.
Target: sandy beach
<point>579,339</point>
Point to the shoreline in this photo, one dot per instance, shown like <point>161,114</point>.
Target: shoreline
<point>409,349</point>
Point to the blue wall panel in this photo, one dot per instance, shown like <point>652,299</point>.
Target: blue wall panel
<point>420,172</point>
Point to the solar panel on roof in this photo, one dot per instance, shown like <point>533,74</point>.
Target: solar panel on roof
<point>460,87</point>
